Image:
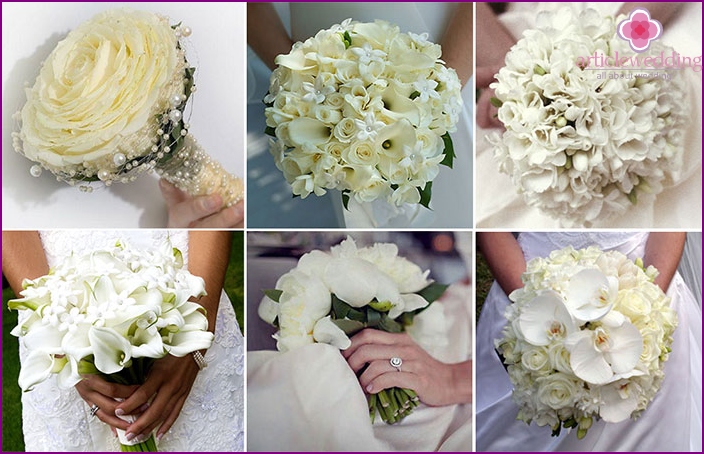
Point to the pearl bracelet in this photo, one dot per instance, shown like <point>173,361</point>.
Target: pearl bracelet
<point>200,361</point>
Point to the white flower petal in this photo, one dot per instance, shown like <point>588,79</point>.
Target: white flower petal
<point>112,351</point>
<point>588,363</point>
<point>327,332</point>
<point>627,345</point>
<point>543,318</point>
<point>589,296</point>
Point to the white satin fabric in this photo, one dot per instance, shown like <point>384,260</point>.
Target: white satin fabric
<point>309,399</point>
<point>678,207</point>
<point>212,418</point>
<point>452,188</point>
<point>672,422</point>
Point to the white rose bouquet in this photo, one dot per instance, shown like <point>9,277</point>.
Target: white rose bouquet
<point>332,295</point>
<point>587,337</point>
<point>111,312</point>
<point>581,145</point>
<point>109,104</point>
<point>365,109</point>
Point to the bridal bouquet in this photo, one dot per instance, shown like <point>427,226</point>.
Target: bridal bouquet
<point>587,337</point>
<point>332,295</point>
<point>365,109</point>
<point>110,312</point>
<point>581,145</point>
<point>109,104</point>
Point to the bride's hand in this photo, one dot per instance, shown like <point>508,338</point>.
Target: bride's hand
<point>436,383</point>
<point>96,391</point>
<point>199,212</point>
<point>168,382</point>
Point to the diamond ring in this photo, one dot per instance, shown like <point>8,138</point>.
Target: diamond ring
<point>93,410</point>
<point>396,363</point>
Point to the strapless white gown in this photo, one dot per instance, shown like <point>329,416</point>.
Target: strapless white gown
<point>672,422</point>
<point>677,207</point>
<point>452,188</point>
<point>212,419</point>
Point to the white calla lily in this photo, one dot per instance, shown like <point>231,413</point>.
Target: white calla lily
<point>590,294</point>
<point>111,350</point>
<point>185,342</point>
<point>327,332</point>
<point>37,367</point>
<point>545,318</point>
<point>303,131</point>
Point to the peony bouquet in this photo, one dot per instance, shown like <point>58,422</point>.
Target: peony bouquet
<point>332,295</point>
<point>111,312</point>
<point>587,338</point>
<point>365,109</point>
<point>582,145</point>
<point>109,104</point>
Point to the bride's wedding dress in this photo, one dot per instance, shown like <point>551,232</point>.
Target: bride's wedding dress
<point>452,188</point>
<point>212,418</point>
<point>672,422</point>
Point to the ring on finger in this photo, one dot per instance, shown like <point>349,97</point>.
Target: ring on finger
<point>396,363</point>
<point>93,410</point>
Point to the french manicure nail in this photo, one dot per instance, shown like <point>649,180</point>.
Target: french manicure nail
<point>120,412</point>
<point>129,436</point>
<point>369,387</point>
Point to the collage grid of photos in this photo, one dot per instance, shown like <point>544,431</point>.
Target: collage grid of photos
<point>352,226</point>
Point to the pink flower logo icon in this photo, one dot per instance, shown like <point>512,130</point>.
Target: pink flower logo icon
<point>639,29</point>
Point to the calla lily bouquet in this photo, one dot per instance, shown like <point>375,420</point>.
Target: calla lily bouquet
<point>330,296</point>
<point>584,145</point>
<point>109,103</point>
<point>587,337</point>
<point>111,312</point>
<point>365,109</point>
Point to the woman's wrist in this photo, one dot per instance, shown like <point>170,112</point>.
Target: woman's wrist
<point>462,382</point>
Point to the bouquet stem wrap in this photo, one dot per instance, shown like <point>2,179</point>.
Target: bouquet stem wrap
<point>193,171</point>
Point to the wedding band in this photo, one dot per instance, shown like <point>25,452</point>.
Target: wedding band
<point>396,363</point>
<point>93,410</point>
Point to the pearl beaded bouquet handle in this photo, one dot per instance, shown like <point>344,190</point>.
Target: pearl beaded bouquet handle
<point>108,105</point>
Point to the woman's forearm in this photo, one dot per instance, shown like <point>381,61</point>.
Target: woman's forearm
<point>504,257</point>
<point>266,34</point>
<point>208,255</point>
<point>22,257</point>
<point>664,251</point>
<point>457,42</point>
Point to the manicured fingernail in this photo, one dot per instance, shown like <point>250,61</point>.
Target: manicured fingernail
<point>130,436</point>
<point>158,437</point>
<point>120,412</point>
<point>211,202</point>
<point>141,439</point>
<point>369,387</point>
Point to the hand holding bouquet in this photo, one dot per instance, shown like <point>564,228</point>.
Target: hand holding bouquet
<point>109,103</point>
<point>580,145</point>
<point>111,312</point>
<point>332,295</point>
<point>365,109</point>
<point>587,337</point>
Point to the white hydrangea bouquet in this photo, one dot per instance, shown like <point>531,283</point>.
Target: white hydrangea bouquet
<point>110,312</point>
<point>109,104</point>
<point>581,145</point>
<point>332,295</point>
<point>365,109</point>
<point>587,337</point>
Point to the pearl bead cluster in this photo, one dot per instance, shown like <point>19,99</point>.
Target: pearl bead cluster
<point>196,173</point>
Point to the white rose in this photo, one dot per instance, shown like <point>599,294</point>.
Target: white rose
<point>99,92</point>
<point>361,153</point>
<point>536,359</point>
<point>558,390</point>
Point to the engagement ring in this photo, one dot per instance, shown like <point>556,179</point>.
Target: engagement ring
<point>93,410</point>
<point>396,363</point>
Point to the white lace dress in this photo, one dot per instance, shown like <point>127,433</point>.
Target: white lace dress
<point>212,419</point>
<point>672,422</point>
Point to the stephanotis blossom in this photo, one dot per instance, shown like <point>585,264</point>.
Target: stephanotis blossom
<point>585,145</point>
<point>587,337</point>
<point>345,104</point>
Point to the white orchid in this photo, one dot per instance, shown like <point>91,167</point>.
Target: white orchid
<point>591,294</point>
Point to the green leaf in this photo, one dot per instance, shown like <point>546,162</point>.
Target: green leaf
<point>350,327</point>
<point>188,82</point>
<point>273,294</point>
<point>373,318</point>
<point>347,39</point>
<point>426,194</point>
<point>449,151</point>
<point>357,314</point>
<point>389,325</point>
<point>269,131</point>
<point>433,291</point>
<point>496,102</point>
<point>345,199</point>
<point>339,307</point>
<point>414,95</point>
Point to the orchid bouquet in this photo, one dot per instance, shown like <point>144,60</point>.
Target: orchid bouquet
<point>587,337</point>
<point>330,296</point>
<point>111,312</point>
<point>580,146</point>
<point>109,104</point>
<point>365,109</point>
